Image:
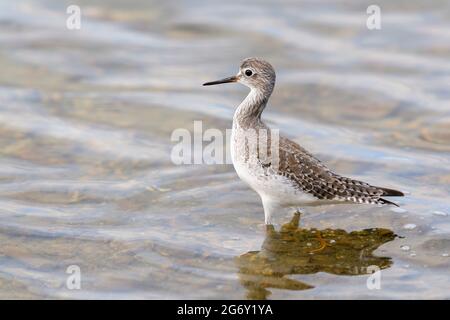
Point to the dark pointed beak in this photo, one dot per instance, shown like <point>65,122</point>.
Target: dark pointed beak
<point>226,80</point>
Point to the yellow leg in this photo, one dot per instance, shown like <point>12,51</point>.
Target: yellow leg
<point>323,243</point>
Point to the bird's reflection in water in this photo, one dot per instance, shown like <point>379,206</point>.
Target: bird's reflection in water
<point>293,251</point>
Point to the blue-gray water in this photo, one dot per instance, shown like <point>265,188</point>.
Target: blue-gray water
<point>86,177</point>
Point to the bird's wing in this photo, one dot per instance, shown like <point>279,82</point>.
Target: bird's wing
<point>312,176</point>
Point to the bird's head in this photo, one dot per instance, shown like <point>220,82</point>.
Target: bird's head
<point>255,73</point>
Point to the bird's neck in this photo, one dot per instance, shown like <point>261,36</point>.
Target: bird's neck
<point>249,111</point>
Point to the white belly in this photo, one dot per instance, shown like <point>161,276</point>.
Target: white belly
<point>266,183</point>
<point>277,188</point>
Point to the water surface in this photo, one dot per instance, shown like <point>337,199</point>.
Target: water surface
<point>86,176</point>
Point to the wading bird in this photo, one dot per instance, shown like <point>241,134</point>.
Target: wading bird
<point>289,176</point>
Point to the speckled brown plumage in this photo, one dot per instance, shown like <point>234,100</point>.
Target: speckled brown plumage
<point>311,176</point>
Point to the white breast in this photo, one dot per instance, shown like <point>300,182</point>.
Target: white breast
<point>267,184</point>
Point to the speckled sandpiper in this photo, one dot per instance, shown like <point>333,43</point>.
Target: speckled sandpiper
<point>298,179</point>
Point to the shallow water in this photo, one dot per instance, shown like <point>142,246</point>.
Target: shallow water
<point>86,176</point>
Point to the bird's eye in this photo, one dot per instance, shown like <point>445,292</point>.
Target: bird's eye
<point>248,72</point>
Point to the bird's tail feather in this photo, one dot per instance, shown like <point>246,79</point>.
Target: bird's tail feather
<point>391,192</point>
<point>384,201</point>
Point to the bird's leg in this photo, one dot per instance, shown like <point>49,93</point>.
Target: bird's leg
<point>293,224</point>
<point>270,230</point>
<point>269,208</point>
<point>295,219</point>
